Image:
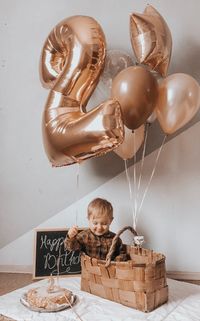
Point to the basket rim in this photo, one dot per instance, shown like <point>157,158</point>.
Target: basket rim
<point>131,262</point>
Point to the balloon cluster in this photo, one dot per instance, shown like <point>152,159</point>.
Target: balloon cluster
<point>72,61</point>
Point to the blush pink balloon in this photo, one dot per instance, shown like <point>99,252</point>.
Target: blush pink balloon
<point>178,101</point>
<point>131,144</point>
<point>151,118</point>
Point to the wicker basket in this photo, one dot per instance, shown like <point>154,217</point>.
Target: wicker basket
<point>139,283</point>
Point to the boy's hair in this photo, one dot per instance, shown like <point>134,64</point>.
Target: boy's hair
<point>100,206</point>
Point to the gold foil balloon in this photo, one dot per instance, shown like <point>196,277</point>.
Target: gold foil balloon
<point>151,39</point>
<point>178,101</point>
<point>136,90</point>
<point>131,144</point>
<point>71,63</point>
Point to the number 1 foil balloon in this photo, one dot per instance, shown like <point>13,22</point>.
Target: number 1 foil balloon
<point>71,63</point>
<point>151,39</point>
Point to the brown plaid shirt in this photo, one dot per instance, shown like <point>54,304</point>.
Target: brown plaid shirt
<point>94,245</point>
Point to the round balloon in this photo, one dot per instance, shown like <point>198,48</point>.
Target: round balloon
<point>151,118</point>
<point>178,101</point>
<point>116,61</point>
<point>131,144</point>
<point>136,89</point>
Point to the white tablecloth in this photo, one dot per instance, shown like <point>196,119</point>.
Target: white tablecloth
<point>183,305</point>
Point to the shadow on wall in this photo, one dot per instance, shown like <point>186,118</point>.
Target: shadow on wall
<point>186,59</point>
<point>110,165</point>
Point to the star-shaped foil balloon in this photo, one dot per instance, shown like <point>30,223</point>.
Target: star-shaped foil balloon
<point>151,39</point>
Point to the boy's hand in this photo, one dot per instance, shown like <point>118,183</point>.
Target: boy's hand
<point>73,231</point>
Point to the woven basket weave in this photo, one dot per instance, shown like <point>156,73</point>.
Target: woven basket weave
<point>139,283</point>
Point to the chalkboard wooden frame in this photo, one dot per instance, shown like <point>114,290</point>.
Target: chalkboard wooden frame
<point>48,247</point>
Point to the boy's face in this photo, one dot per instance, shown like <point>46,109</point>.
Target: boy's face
<point>99,225</point>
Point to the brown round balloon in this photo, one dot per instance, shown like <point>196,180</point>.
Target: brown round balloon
<point>136,89</point>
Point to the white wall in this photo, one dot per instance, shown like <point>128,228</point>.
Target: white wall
<point>169,218</point>
<point>31,191</point>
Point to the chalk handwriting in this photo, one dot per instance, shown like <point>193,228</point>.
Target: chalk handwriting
<point>52,257</point>
<point>51,244</point>
<point>67,260</point>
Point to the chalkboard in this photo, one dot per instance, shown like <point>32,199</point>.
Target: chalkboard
<point>50,256</point>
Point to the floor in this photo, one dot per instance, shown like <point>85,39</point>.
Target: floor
<point>12,281</point>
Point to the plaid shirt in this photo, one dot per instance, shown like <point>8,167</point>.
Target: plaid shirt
<point>94,245</point>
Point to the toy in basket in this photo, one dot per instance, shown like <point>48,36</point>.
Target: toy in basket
<point>139,283</point>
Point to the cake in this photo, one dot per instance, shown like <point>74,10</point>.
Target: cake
<point>43,297</point>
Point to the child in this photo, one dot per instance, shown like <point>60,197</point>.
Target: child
<point>97,239</point>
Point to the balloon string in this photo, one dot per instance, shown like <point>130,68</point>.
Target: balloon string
<point>143,155</point>
<point>134,180</point>
<point>68,301</point>
<point>152,174</point>
<point>58,267</point>
<point>130,190</point>
<point>77,194</point>
<point>142,165</point>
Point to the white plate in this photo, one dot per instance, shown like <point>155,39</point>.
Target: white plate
<point>59,307</point>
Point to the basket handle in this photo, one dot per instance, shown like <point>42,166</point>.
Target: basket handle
<point>114,242</point>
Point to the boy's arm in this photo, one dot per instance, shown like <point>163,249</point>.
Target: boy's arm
<point>74,243</point>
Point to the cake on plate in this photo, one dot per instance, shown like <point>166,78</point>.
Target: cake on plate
<point>45,298</point>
